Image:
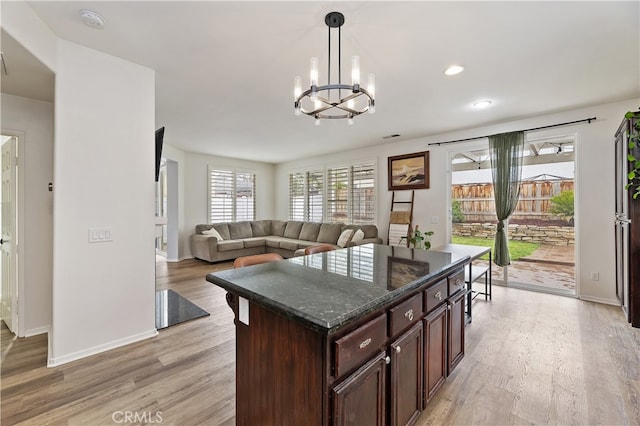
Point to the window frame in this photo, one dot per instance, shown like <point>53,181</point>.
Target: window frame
<point>234,172</point>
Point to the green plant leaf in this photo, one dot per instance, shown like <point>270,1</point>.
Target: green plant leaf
<point>629,115</point>
<point>631,157</point>
<point>632,145</point>
<point>632,175</point>
<point>627,186</point>
<point>637,165</point>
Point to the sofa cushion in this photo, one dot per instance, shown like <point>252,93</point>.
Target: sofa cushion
<point>277,228</point>
<point>370,231</point>
<point>239,230</point>
<point>272,241</point>
<point>358,236</point>
<point>261,228</point>
<point>309,231</point>
<point>293,229</point>
<point>254,242</point>
<point>329,233</point>
<point>213,233</point>
<point>223,230</point>
<point>289,245</point>
<point>345,237</point>
<point>228,245</point>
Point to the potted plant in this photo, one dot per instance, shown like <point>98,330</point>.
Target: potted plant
<point>420,239</point>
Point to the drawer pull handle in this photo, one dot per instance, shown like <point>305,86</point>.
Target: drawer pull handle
<point>398,350</point>
<point>409,315</point>
<point>387,360</point>
<point>365,343</point>
<point>458,283</point>
<point>438,295</point>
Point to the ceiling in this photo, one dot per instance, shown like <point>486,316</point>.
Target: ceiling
<point>225,70</point>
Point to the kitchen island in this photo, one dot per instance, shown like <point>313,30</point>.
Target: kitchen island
<point>363,335</point>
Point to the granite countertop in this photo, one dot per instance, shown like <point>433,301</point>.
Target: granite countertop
<point>327,291</point>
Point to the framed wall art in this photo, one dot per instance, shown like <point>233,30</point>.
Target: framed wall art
<point>409,171</point>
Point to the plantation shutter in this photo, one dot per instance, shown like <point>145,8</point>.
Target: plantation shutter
<point>296,196</point>
<point>337,195</point>
<point>245,189</point>
<point>363,192</point>
<point>231,196</point>
<point>315,196</point>
<point>220,196</point>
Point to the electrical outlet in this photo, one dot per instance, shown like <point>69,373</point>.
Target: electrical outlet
<point>99,235</point>
<point>595,276</point>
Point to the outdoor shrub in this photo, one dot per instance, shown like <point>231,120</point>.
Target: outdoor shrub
<point>562,205</point>
<point>456,212</point>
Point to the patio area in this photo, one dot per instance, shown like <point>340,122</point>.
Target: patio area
<point>549,266</point>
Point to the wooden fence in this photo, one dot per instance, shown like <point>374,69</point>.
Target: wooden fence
<point>477,203</point>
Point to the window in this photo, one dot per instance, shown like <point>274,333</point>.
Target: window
<point>349,194</point>
<point>352,194</point>
<point>306,196</point>
<point>231,196</point>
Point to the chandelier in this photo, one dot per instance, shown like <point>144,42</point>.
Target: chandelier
<point>328,102</point>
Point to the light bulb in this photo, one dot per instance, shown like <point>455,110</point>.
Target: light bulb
<point>372,107</point>
<point>313,73</point>
<point>297,111</point>
<point>350,120</point>
<point>317,121</point>
<point>371,85</point>
<point>355,70</point>
<point>297,87</point>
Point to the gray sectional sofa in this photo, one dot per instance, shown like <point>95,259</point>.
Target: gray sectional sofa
<point>270,236</point>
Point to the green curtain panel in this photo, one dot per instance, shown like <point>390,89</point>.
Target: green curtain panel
<point>505,150</point>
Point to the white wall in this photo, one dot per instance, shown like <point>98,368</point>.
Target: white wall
<point>196,189</point>
<point>594,190</point>
<point>103,293</point>
<point>33,119</point>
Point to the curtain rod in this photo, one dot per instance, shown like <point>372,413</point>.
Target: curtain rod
<point>589,120</point>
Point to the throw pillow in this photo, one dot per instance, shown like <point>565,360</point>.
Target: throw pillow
<point>358,236</point>
<point>213,233</point>
<point>345,237</point>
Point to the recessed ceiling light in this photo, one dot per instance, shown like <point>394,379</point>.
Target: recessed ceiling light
<point>454,69</point>
<point>482,104</point>
<point>92,19</point>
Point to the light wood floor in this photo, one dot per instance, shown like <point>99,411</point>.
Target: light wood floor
<point>531,359</point>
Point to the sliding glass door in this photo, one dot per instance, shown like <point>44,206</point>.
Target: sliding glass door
<point>541,233</point>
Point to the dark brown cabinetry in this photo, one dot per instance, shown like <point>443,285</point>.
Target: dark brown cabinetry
<point>377,369</point>
<point>406,376</point>
<point>435,351</point>
<point>421,353</point>
<point>627,226</point>
<point>360,398</point>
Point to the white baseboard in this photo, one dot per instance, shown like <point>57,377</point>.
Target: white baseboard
<point>56,361</point>
<point>613,302</point>
<point>36,331</point>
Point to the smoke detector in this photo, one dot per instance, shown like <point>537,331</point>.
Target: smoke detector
<point>92,19</point>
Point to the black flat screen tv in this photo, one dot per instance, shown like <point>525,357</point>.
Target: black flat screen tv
<point>159,139</point>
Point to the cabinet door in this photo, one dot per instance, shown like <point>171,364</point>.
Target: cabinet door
<point>435,351</point>
<point>455,322</point>
<point>360,398</point>
<point>406,377</point>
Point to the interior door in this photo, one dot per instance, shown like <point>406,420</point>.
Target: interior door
<point>9,295</point>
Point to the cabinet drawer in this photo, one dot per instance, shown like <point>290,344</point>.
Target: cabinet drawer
<point>405,314</point>
<point>456,282</point>
<point>435,295</point>
<point>353,349</point>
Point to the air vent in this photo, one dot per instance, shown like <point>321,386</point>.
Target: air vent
<point>395,135</point>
